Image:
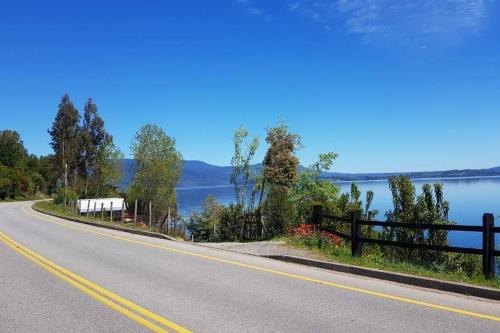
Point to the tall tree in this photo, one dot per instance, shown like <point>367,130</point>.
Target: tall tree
<point>65,140</point>
<point>158,170</point>
<point>280,170</point>
<point>242,165</point>
<point>93,135</point>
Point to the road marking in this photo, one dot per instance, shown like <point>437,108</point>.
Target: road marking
<point>281,273</point>
<point>108,298</point>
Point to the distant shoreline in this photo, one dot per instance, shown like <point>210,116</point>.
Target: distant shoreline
<point>187,188</point>
<point>417,179</point>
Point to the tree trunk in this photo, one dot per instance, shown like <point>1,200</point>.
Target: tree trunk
<point>86,177</point>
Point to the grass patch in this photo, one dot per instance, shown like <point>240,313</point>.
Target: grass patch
<point>374,259</point>
<point>59,210</point>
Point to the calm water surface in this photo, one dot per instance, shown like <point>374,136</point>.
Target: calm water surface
<point>469,198</point>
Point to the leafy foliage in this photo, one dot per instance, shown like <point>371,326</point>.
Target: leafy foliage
<point>206,224</point>
<point>22,175</point>
<point>158,170</point>
<point>65,140</point>
<point>93,136</point>
<point>12,152</point>
<point>242,172</point>
<point>280,163</point>
<point>280,170</point>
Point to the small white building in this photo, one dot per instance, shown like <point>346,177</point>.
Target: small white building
<point>88,205</point>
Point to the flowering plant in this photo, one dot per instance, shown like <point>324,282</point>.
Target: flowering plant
<point>308,230</point>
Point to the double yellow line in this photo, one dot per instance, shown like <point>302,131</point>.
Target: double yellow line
<point>133,311</point>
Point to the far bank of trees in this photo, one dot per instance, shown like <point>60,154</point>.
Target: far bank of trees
<point>22,175</point>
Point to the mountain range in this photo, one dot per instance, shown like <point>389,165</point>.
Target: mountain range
<point>201,174</point>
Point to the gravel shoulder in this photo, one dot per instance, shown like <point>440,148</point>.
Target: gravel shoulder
<point>264,248</point>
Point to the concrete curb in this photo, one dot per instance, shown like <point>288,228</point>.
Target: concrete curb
<point>454,287</point>
<point>112,227</point>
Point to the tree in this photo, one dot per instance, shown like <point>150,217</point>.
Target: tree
<point>242,166</point>
<point>205,225</point>
<point>309,189</point>
<point>280,170</point>
<point>93,136</point>
<point>280,166</point>
<point>46,169</point>
<point>65,140</point>
<point>157,171</point>
<point>12,152</point>
<point>107,168</point>
<point>429,207</point>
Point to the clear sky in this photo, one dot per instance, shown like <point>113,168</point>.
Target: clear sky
<point>389,85</point>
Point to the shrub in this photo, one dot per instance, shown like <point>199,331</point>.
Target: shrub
<point>311,237</point>
<point>58,197</point>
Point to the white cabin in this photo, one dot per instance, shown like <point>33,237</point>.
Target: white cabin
<point>88,205</point>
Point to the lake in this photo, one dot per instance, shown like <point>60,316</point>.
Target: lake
<point>469,198</point>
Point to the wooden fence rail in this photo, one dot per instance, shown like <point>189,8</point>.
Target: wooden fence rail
<point>488,230</point>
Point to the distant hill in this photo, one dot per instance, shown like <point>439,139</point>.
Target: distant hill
<point>419,174</point>
<point>195,174</point>
<point>199,174</point>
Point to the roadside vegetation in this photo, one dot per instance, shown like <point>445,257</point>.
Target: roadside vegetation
<point>374,258</point>
<point>277,199</point>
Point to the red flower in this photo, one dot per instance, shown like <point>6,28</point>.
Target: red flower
<point>334,238</point>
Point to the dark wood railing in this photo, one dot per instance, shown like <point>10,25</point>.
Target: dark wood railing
<point>357,240</point>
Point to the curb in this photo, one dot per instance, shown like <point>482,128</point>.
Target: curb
<point>454,287</point>
<point>112,227</point>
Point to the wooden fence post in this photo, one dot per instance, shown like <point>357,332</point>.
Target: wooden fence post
<point>123,211</point>
<point>488,246</point>
<point>316,215</point>
<point>95,208</point>
<point>150,217</point>
<point>135,211</point>
<point>111,212</point>
<point>355,233</point>
<point>102,211</point>
<point>88,208</point>
<point>168,221</point>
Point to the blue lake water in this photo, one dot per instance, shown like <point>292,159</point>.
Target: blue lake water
<point>469,198</point>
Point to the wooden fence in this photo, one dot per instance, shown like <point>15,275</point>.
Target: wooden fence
<point>488,230</point>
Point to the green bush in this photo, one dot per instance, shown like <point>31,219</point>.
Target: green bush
<point>58,197</point>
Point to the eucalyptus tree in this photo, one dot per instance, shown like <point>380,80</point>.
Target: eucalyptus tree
<point>65,140</point>
<point>93,136</point>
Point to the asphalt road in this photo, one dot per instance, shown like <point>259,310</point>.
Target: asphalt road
<point>61,276</point>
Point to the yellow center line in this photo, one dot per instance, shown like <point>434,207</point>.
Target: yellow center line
<point>106,297</point>
<point>281,273</point>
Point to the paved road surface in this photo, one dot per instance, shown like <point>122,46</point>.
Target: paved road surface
<point>60,276</point>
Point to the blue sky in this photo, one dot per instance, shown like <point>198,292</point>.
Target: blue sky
<point>389,85</point>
